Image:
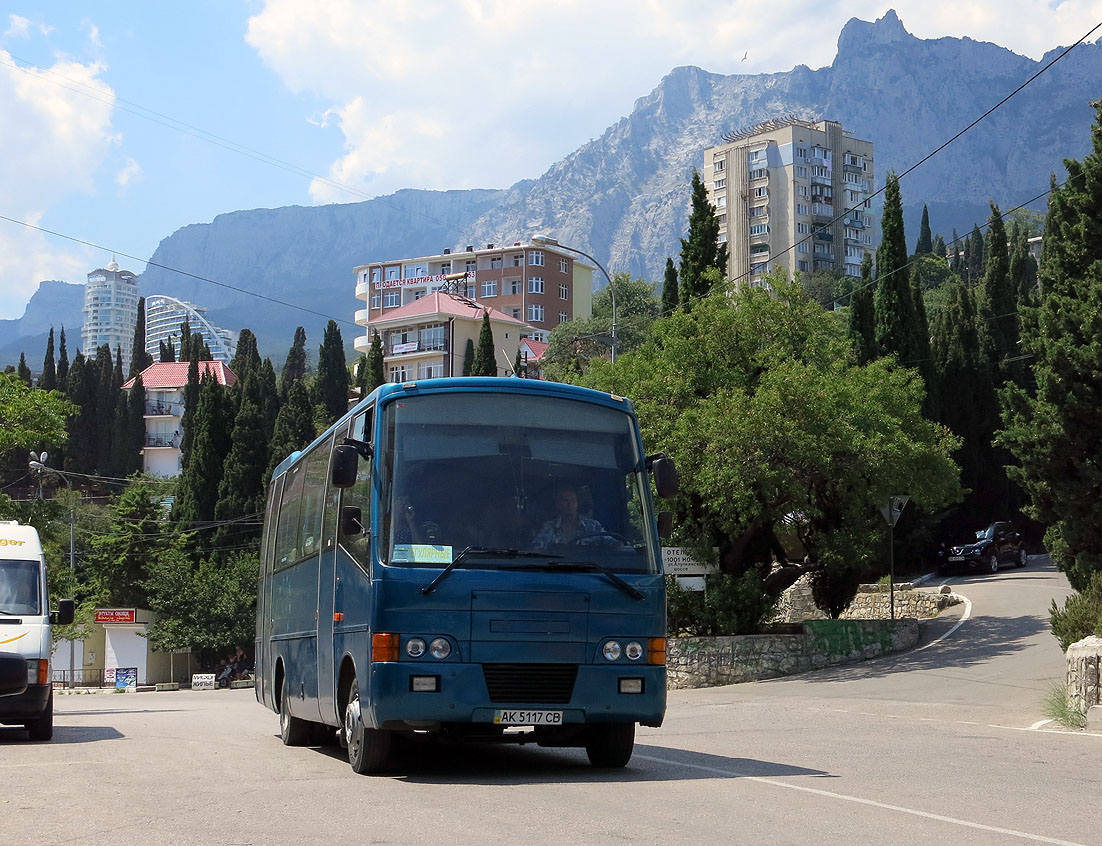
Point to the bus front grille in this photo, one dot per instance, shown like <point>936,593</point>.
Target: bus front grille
<point>530,684</point>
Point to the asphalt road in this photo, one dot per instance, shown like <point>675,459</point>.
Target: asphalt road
<point>940,745</point>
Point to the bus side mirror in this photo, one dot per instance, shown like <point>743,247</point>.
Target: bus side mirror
<point>65,613</point>
<point>13,674</point>
<point>343,473</point>
<point>665,477</point>
<point>352,521</point>
<point>665,524</point>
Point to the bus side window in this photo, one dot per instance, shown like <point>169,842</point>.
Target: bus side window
<point>288,543</point>
<point>359,497</point>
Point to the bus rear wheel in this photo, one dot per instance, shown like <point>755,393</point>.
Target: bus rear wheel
<point>292,730</point>
<point>368,749</point>
<point>610,745</point>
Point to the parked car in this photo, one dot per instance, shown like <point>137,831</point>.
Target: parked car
<point>996,546</point>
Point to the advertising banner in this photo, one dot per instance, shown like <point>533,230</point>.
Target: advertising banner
<point>116,615</point>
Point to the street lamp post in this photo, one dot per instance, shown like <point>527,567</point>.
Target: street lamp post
<point>545,240</point>
<point>37,465</point>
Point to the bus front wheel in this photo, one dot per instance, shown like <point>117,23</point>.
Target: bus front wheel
<point>368,749</point>
<point>610,744</point>
<point>43,727</point>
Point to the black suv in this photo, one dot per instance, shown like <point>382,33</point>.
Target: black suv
<point>997,545</point>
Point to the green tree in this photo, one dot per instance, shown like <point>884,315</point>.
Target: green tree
<point>106,402</point>
<point>168,351</point>
<point>998,303</point>
<point>241,491</point>
<point>924,360</point>
<point>376,372</point>
<point>699,250</point>
<point>974,256</point>
<point>468,357</point>
<point>484,361</point>
<point>47,381</point>
<point>1022,267</point>
<point>669,288</point>
<point>23,372</point>
<point>939,247</point>
<point>897,330</point>
<point>862,316</point>
<point>331,386</point>
<point>139,359</point>
<point>191,404</point>
<point>246,357</point>
<point>757,399</point>
<point>81,390</point>
<point>294,426</point>
<point>185,342</point>
<point>197,491</point>
<point>62,362</point>
<point>1055,433</point>
<point>134,432</point>
<point>294,368</point>
<point>31,416</point>
<point>925,241</point>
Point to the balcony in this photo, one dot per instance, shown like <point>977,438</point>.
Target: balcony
<point>413,347</point>
<point>361,316</point>
<point>163,409</point>
<point>163,441</point>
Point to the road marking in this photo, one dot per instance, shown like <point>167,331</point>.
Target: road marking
<point>1039,723</point>
<point>960,622</point>
<point>1037,838</point>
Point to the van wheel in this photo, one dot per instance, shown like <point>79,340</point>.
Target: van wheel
<point>292,730</point>
<point>368,749</point>
<point>610,744</point>
<point>43,727</point>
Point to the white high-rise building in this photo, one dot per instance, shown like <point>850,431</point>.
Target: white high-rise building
<point>110,311</point>
<point>163,316</point>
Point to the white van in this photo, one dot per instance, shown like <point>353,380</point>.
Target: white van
<point>25,620</point>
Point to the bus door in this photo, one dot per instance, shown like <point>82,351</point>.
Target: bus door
<point>262,649</point>
<point>326,576</point>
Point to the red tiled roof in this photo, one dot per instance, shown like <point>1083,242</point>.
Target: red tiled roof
<point>537,349</point>
<point>169,374</point>
<point>447,304</point>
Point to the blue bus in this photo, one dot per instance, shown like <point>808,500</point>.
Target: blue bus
<point>470,558</point>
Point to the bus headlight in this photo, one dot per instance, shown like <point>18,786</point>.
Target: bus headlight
<point>415,647</point>
<point>440,648</point>
<point>611,650</point>
<point>634,651</point>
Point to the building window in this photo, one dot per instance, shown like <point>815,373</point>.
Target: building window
<point>446,267</point>
<point>759,173</point>
<point>801,208</point>
<point>535,258</point>
<point>721,238</point>
<point>803,228</point>
<point>518,260</point>
<point>535,284</point>
<point>417,295</point>
<point>376,300</point>
<point>375,274</point>
<point>431,337</point>
<point>722,218</point>
<point>564,292</point>
<point>516,314</point>
<point>489,288</point>
<point>430,370</point>
<point>801,171</point>
<point>495,262</point>
<point>470,292</point>
<point>392,298</point>
<point>564,265</point>
<point>514,285</point>
<point>801,152</point>
<point>471,265</point>
<point>803,265</point>
<point>562,317</point>
<point>759,211</point>
<point>759,229</point>
<point>803,247</point>
<point>721,201</point>
<point>719,165</point>
<point>535,314</point>
<point>416,270</point>
<point>392,272</point>
<point>399,373</point>
<point>759,192</point>
<point>721,183</point>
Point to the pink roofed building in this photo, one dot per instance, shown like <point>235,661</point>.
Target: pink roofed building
<point>427,338</point>
<point>164,384</point>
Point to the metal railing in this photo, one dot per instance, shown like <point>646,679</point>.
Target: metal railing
<point>80,678</point>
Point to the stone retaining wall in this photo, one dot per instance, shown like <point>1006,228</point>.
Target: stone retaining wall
<point>871,603</point>
<point>711,661</point>
<point>1084,659</point>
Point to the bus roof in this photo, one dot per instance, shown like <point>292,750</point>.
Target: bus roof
<point>465,384</point>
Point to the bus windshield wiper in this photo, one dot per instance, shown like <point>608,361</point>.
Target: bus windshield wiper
<point>495,551</point>
<point>594,567</point>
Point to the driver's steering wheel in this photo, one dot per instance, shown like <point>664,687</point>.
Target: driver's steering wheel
<point>602,534</point>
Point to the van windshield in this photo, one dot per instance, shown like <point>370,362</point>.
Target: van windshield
<point>508,480</point>
<point>20,589</point>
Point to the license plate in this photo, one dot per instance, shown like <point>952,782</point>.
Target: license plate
<point>528,718</point>
<point>956,557</point>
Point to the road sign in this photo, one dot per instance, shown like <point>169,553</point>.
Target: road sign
<point>893,508</point>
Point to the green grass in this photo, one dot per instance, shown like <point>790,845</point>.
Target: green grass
<point>1055,706</point>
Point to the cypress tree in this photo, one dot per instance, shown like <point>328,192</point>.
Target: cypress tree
<point>168,351</point>
<point>1056,434</point>
<point>484,364</point>
<point>191,405</point>
<point>246,357</point>
<point>106,403</point>
<point>939,247</point>
<point>197,490</point>
<point>669,288</point>
<point>294,426</point>
<point>185,341</point>
<point>925,361</point>
<point>468,358</point>
<point>23,372</point>
<point>955,263</point>
<point>140,359</point>
<point>241,490</point>
<point>893,304</point>
<point>359,370</point>
<point>862,319</point>
<point>47,381</point>
<point>925,243</point>
<point>376,372</point>
<point>268,396</point>
<point>975,257</point>
<point>998,304</point>
<point>699,251</point>
<point>80,388</point>
<point>62,363</point>
<point>1022,268</point>
<point>135,427</point>
<point>331,387</point>
<point>294,368</point>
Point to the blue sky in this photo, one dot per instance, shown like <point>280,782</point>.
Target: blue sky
<point>374,95</point>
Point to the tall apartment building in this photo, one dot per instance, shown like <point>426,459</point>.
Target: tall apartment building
<point>163,316</point>
<point>110,311</point>
<point>539,286</point>
<point>780,185</point>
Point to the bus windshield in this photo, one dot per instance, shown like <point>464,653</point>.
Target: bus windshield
<point>20,591</point>
<point>513,481</point>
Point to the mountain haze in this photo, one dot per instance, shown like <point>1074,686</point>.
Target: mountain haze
<point>624,196</point>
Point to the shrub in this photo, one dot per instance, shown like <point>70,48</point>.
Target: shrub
<point>1081,615</point>
<point>729,605</point>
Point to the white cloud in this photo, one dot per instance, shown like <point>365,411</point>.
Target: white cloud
<point>20,27</point>
<point>131,171</point>
<point>53,142</point>
<point>446,94</point>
